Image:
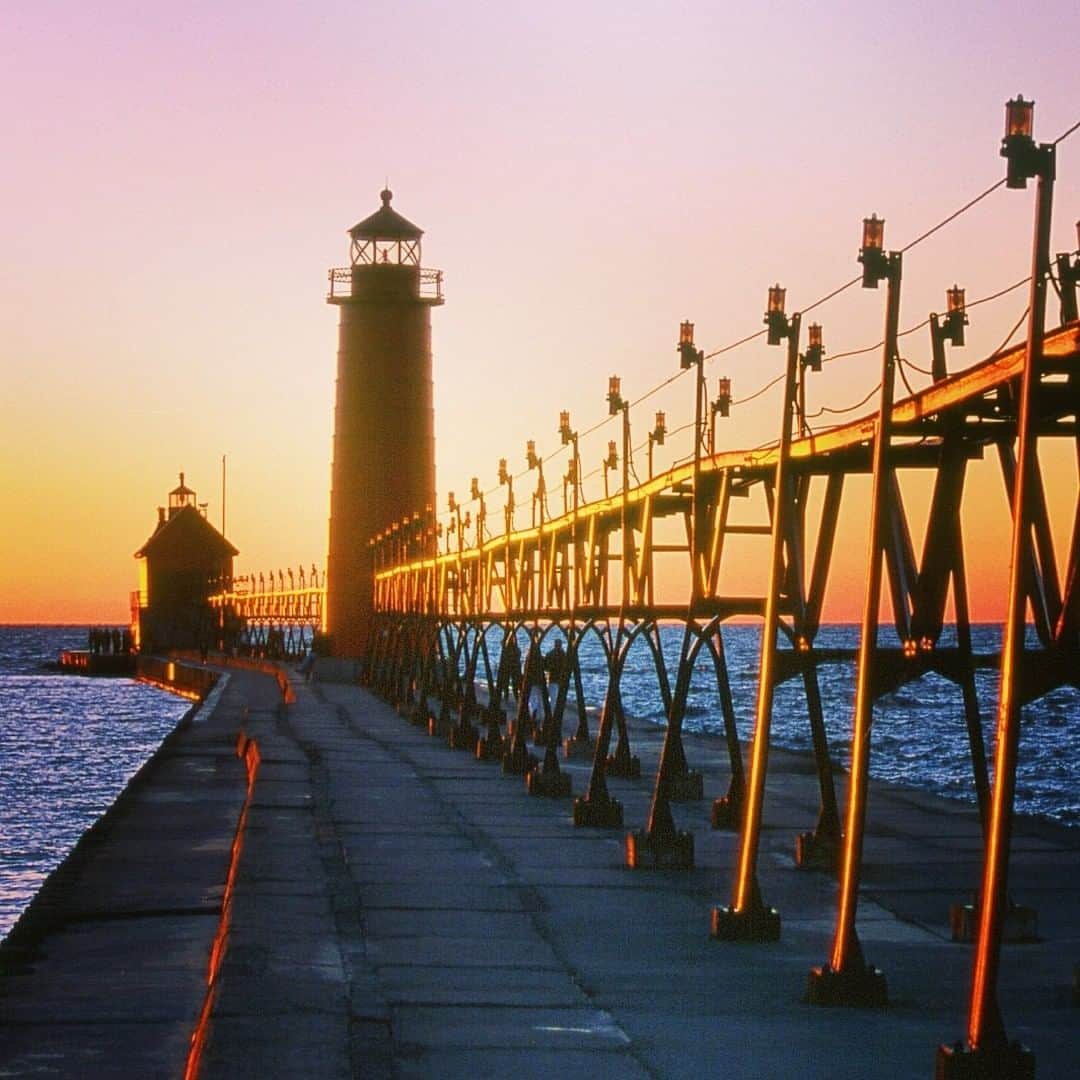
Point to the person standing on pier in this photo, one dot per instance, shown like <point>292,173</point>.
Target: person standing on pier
<point>555,666</point>
<point>508,679</point>
<point>533,681</point>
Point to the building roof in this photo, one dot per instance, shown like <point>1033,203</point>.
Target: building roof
<point>187,528</point>
<point>386,223</point>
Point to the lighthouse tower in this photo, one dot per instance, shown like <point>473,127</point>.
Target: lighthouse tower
<point>384,421</point>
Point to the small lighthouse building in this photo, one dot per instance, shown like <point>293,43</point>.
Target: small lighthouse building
<point>184,561</point>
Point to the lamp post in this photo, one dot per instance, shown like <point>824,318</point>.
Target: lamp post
<point>691,357</point>
<point>618,404</point>
<point>505,478</point>
<point>656,436</point>
<point>455,525</point>
<point>569,437</point>
<point>1068,270</point>
<point>987,1046</point>
<point>660,843</point>
<point>539,504</point>
<point>748,918</point>
<point>611,461</point>
<point>947,328</point>
<point>539,499</point>
<point>720,406</point>
<point>810,360</point>
<point>481,514</point>
<point>846,979</point>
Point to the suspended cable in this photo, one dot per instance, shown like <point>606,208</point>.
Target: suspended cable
<point>1062,138</point>
<point>953,216</point>
<point>649,393</point>
<point>849,408</point>
<point>836,292</point>
<point>1003,292</point>
<point>757,393</point>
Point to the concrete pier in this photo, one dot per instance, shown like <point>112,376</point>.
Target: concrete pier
<point>377,905</point>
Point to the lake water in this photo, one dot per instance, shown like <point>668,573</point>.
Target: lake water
<point>68,746</point>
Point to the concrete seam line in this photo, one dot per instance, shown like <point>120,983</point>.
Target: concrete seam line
<point>248,751</point>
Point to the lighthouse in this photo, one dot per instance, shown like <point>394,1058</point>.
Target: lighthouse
<point>383,467</point>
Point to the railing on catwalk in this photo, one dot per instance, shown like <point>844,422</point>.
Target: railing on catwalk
<point>450,625</point>
<point>273,616</point>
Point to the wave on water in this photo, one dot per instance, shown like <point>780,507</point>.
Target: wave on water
<point>68,746</point>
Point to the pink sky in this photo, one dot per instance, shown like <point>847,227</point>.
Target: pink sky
<point>178,180</point>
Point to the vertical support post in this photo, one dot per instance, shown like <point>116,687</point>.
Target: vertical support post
<point>622,762</point>
<point>696,529</point>
<point>987,1041</point>
<point>727,810</point>
<point>804,428</point>
<point>596,807</point>
<point>938,371</point>
<point>580,744</point>
<point>747,919</point>
<point>517,760</point>
<point>627,541</point>
<point>846,979</point>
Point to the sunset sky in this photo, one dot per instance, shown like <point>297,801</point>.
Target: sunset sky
<point>179,178</point>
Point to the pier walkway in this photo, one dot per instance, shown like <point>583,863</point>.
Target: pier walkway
<point>401,910</point>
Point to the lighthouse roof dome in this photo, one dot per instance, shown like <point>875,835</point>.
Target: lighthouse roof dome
<point>386,223</point>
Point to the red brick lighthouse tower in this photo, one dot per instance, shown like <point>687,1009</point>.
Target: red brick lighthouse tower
<point>384,420</point>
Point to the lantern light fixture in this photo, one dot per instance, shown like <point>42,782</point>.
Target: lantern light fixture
<point>504,475</point>
<point>722,405</point>
<point>659,428</point>
<point>873,235</point>
<point>872,253</point>
<point>1025,159</point>
<point>474,488</point>
<point>451,501</point>
<point>530,454</point>
<point>612,459</point>
<point>614,395</point>
<point>815,350</point>
<point>775,318</point>
<point>565,434</point>
<point>956,319</point>
<point>688,355</point>
<point>1019,118</point>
